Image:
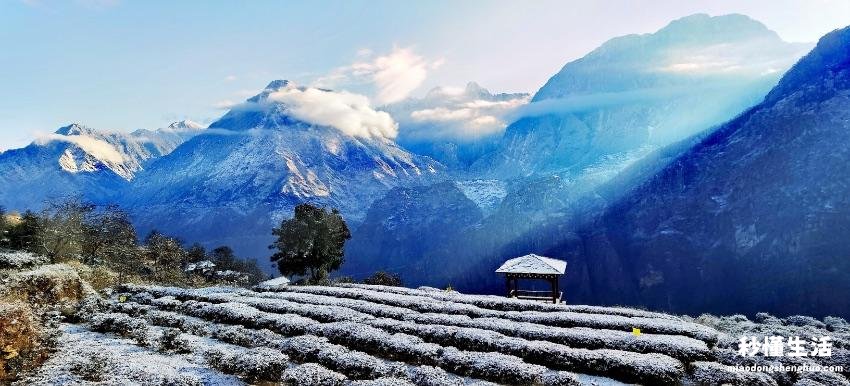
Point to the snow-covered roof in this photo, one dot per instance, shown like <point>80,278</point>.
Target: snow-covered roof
<point>532,263</point>
<point>275,282</point>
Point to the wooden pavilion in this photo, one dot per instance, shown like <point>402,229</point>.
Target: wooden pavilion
<point>533,267</point>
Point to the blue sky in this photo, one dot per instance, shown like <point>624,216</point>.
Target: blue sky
<point>122,65</point>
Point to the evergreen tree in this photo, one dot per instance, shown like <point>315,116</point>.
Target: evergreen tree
<point>311,241</point>
<point>23,236</point>
<point>225,259</point>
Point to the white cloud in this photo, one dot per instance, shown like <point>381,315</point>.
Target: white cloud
<point>460,117</point>
<point>99,149</point>
<point>350,113</point>
<point>393,76</point>
<point>230,78</point>
<point>751,57</point>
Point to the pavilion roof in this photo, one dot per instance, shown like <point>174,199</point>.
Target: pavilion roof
<point>534,264</point>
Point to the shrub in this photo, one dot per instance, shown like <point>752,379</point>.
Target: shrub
<point>310,374</point>
<point>170,340</point>
<point>800,320</point>
<point>260,364</point>
<point>384,278</point>
<point>91,368</point>
<point>20,260</point>
<point>48,285</point>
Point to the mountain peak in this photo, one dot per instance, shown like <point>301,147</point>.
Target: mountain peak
<point>474,87</point>
<point>278,84</point>
<point>74,129</point>
<point>184,125</point>
<point>701,26</point>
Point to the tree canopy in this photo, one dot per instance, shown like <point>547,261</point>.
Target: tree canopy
<point>313,241</point>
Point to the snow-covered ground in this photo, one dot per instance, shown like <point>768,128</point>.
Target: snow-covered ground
<point>375,335</point>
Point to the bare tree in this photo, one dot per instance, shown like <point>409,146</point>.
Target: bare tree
<point>108,236</point>
<point>62,228</point>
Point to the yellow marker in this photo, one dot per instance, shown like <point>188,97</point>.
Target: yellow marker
<point>122,299</point>
<point>635,331</point>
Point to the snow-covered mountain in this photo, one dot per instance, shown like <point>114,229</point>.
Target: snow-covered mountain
<point>455,126</point>
<point>284,146</point>
<point>77,160</point>
<point>641,92</point>
<point>611,111</point>
<point>162,141</point>
<point>755,217</point>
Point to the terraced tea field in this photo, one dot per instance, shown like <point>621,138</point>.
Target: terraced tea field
<point>375,335</point>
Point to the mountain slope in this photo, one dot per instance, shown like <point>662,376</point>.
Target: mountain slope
<point>642,92</point>
<point>77,160</point>
<point>753,218</point>
<point>280,148</point>
<point>401,222</point>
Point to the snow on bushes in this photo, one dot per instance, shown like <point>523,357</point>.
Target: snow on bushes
<point>558,319</point>
<point>383,382</point>
<point>260,364</point>
<point>491,366</point>
<point>388,335</point>
<point>311,374</point>
<point>677,346</point>
<point>20,260</point>
<point>625,364</point>
<point>653,368</point>
<point>354,364</point>
<point>254,364</point>
<point>711,373</point>
<point>88,358</point>
<point>47,285</point>
<point>506,304</point>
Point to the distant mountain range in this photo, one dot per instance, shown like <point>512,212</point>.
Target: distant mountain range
<point>609,116</point>
<point>77,160</point>
<point>670,170</point>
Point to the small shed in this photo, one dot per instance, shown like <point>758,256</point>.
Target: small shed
<point>534,267</point>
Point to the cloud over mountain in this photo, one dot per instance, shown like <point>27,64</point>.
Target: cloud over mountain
<point>465,114</point>
<point>390,78</point>
<point>99,149</point>
<point>350,113</point>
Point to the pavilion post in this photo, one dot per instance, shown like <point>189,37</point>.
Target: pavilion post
<point>555,290</point>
